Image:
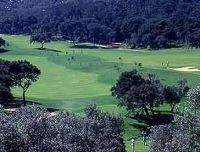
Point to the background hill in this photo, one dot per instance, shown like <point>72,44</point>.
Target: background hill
<point>137,23</point>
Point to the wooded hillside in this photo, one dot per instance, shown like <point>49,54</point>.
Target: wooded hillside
<point>137,23</point>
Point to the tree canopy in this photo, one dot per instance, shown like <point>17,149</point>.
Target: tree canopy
<point>137,92</point>
<point>182,135</point>
<point>39,130</point>
<point>16,73</point>
<point>2,42</point>
<point>23,74</point>
<point>144,24</point>
<point>41,38</point>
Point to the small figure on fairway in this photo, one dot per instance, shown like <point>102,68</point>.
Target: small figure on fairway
<point>135,63</point>
<point>144,137</point>
<point>140,65</point>
<point>133,144</point>
<point>167,64</point>
<point>117,68</point>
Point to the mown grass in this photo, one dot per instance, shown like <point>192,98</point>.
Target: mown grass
<point>72,84</point>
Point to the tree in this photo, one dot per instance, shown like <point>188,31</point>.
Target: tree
<point>5,95</point>
<point>194,98</point>
<point>41,38</point>
<point>5,83</point>
<point>40,131</point>
<point>183,135</point>
<point>2,42</point>
<point>137,92</point>
<point>5,78</point>
<point>72,30</point>
<point>174,94</point>
<point>23,74</point>
<point>95,32</point>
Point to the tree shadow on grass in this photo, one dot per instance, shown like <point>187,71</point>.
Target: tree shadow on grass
<point>18,102</point>
<point>146,122</point>
<point>84,46</point>
<point>49,50</point>
<point>3,50</point>
<point>153,120</point>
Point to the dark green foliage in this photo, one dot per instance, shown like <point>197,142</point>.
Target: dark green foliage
<point>174,94</point>
<point>5,95</point>
<point>16,73</point>
<point>146,23</point>
<point>183,135</point>
<point>137,92</point>
<point>41,38</point>
<point>2,42</point>
<point>35,129</point>
<point>5,83</point>
<point>23,74</point>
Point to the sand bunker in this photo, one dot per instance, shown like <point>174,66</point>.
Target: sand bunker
<point>1,35</point>
<point>186,69</point>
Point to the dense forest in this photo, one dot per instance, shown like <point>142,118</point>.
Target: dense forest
<point>135,23</point>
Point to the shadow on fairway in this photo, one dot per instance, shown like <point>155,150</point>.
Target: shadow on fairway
<point>3,50</point>
<point>157,119</point>
<point>49,50</point>
<point>82,46</point>
<point>17,103</point>
<point>145,122</point>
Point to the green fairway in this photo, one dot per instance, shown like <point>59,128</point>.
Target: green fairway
<point>73,84</point>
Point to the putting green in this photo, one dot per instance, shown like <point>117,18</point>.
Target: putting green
<point>71,84</point>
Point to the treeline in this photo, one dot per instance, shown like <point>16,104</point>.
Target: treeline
<point>137,23</point>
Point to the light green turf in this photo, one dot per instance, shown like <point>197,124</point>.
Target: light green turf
<point>88,79</point>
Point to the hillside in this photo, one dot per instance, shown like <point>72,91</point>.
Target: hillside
<point>143,24</point>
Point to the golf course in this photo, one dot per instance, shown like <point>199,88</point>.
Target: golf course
<point>72,78</point>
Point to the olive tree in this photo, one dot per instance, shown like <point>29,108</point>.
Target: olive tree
<point>135,91</point>
<point>2,42</point>
<point>40,131</point>
<point>174,94</point>
<point>23,74</point>
<point>5,83</point>
<point>41,38</point>
<point>194,98</point>
<point>181,136</point>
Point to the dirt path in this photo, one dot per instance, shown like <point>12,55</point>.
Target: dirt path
<point>186,69</point>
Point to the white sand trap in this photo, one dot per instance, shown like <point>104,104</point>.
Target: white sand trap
<point>1,35</point>
<point>186,69</point>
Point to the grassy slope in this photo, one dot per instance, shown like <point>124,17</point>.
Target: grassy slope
<point>88,79</point>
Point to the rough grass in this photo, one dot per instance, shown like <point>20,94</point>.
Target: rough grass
<point>72,84</point>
